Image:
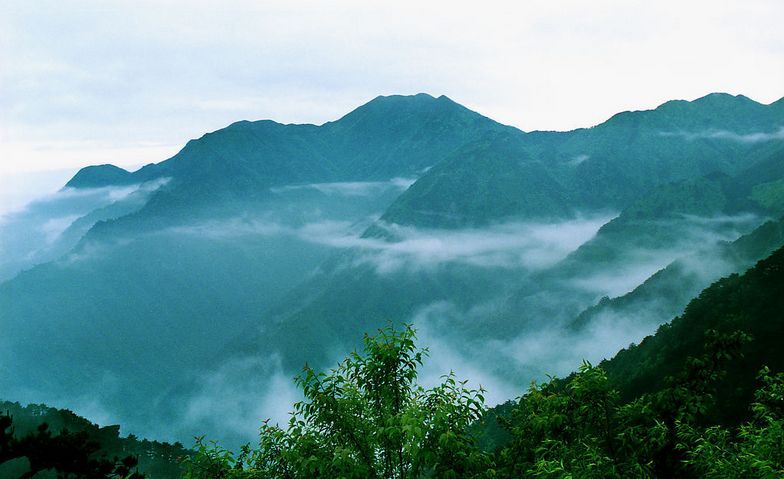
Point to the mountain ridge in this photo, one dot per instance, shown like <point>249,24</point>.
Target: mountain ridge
<point>258,236</point>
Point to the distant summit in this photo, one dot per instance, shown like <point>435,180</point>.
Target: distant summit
<point>100,175</point>
<point>387,137</point>
<point>715,111</point>
<point>403,104</point>
<point>371,141</point>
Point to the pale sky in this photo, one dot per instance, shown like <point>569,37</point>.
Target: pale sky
<point>129,82</point>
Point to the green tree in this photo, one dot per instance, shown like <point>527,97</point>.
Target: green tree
<point>69,455</point>
<point>578,427</point>
<point>756,449</point>
<point>367,418</point>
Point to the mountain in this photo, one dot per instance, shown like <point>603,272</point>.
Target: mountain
<point>604,167</point>
<point>261,246</point>
<point>102,175</point>
<point>487,181</point>
<point>667,292</point>
<point>471,304</point>
<point>750,302</point>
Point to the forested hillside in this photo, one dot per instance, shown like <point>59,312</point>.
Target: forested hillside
<point>44,438</point>
<point>703,397</point>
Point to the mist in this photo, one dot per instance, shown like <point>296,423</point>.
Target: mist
<point>755,137</point>
<point>353,188</point>
<point>633,260</point>
<point>49,226</point>
<point>513,245</point>
<point>505,245</point>
<point>18,189</point>
<point>499,336</point>
<point>234,399</point>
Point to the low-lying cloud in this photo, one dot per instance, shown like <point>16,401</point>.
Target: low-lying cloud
<point>233,400</point>
<point>507,245</point>
<point>38,232</point>
<point>352,188</point>
<point>630,265</point>
<point>446,354</point>
<point>579,159</point>
<point>506,366</point>
<point>756,137</point>
<point>555,351</point>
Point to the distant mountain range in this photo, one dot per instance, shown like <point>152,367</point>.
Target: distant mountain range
<point>261,246</point>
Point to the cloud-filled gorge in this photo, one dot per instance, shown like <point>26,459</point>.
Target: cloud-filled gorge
<point>238,225</point>
<point>244,263</point>
<point>506,245</point>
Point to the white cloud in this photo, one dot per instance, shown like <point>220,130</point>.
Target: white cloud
<point>505,366</point>
<point>54,227</point>
<point>235,398</point>
<point>579,159</point>
<point>757,137</point>
<point>553,351</point>
<point>445,355</point>
<point>631,265</point>
<point>507,245</point>
<point>350,188</point>
<point>33,234</point>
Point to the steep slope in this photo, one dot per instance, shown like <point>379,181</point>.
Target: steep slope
<point>488,181</point>
<point>751,302</point>
<point>666,293</point>
<point>716,199</point>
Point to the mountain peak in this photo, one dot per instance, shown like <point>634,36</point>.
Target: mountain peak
<point>418,97</point>
<point>100,175</point>
<point>384,104</point>
<point>720,98</point>
<point>384,111</point>
<point>715,111</point>
<point>711,100</point>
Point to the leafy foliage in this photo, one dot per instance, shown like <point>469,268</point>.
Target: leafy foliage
<point>367,418</point>
<point>751,302</point>
<point>580,428</point>
<point>756,449</point>
<point>59,438</point>
<point>71,455</point>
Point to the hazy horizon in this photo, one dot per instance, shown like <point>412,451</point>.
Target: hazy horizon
<point>130,83</point>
